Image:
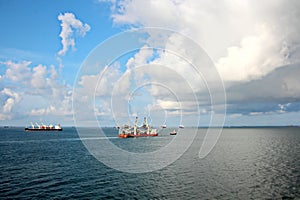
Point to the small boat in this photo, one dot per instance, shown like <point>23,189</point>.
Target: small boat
<point>173,132</point>
<point>164,126</point>
<point>181,126</point>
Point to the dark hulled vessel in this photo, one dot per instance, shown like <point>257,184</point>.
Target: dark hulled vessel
<point>44,127</point>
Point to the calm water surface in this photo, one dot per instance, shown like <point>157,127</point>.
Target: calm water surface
<point>246,163</point>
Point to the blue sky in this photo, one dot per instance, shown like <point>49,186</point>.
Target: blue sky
<point>253,51</point>
<point>32,29</point>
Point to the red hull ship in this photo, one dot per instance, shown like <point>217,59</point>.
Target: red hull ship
<point>137,135</point>
<point>143,131</point>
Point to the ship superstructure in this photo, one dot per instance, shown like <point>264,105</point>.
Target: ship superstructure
<point>145,130</point>
<point>43,127</point>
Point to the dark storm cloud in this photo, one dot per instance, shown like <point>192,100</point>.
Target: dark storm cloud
<point>278,91</point>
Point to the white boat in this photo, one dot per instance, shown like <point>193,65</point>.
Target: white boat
<point>173,132</point>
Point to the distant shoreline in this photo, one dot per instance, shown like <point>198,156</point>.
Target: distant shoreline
<point>287,126</point>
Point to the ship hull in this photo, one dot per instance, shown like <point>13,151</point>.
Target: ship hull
<point>137,135</point>
<point>40,129</point>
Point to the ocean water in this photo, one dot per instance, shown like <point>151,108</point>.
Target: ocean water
<point>246,163</point>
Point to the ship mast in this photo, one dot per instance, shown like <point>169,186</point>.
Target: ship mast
<point>146,125</point>
<point>135,125</point>
<point>38,125</point>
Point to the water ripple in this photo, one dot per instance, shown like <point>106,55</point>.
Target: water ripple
<point>245,164</point>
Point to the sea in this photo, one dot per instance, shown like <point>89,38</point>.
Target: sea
<point>245,163</point>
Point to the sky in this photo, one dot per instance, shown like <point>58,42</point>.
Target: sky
<point>191,62</point>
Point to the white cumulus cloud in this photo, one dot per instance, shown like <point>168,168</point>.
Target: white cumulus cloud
<point>245,39</point>
<point>38,77</point>
<point>69,23</point>
<point>250,44</point>
<point>256,56</point>
<point>17,71</point>
<point>34,91</point>
<point>12,99</point>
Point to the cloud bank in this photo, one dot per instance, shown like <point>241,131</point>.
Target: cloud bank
<point>255,47</point>
<point>32,91</point>
<point>245,38</point>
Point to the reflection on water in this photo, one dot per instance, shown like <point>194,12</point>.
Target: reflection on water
<point>246,163</point>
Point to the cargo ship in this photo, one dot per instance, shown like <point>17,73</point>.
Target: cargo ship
<point>145,130</point>
<point>43,127</point>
